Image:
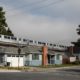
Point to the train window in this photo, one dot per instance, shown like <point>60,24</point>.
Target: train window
<point>54,44</point>
<point>19,39</point>
<point>39,42</point>
<point>24,40</point>
<point>13,38</point>
<point>59,45</point>
<point>43,43</point>
<point>50,44</point>
<point>35,41</point>
<point>5,37</point>
<point>31,41</point>
<point>8,37</point>
<point>47,43</point>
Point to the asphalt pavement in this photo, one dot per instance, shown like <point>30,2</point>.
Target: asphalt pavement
<point>61,74</point>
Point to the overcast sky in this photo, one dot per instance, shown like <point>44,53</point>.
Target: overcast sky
<point>44,20</point>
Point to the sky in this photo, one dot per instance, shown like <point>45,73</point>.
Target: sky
<point>53,21</point>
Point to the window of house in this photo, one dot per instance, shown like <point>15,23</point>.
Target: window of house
<point>8,55</point>
<point>35,57</point>
<point>21,55</point>
<point>1,59</point>
<point>58,56</point>
<point>13,55</point>
<point>17,55</point>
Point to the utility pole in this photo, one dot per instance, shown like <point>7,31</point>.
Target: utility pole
<point>19,51</point>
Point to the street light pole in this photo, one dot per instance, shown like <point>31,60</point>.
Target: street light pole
<point>19,51</point>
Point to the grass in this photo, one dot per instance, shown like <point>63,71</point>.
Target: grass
<point>14,68</point>
<point>47,66</point>
<point>62,65</point>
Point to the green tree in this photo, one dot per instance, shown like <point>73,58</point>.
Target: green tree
<point>77,44</point>
<point>9,32</point>
<point>3,24</point>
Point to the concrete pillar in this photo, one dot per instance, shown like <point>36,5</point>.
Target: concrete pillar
<point>44,55</point>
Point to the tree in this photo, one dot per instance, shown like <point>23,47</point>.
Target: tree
<point>78,30</point>
<point>77,44</point>
<point>9,32</point>
<point>3,24</point>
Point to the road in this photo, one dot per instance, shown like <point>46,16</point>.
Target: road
<point>62,74</point>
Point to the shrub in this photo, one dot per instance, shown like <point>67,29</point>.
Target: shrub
<point>76,62</point>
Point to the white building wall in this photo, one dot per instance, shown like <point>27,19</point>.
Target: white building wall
<point>27,57</point>
<point>40,57</point>
<point>5,58</point>
<point>72,59</point>
<point>36,62</point>
<point>14,61</point>
<point>60,57</point>
<point>30,57</point>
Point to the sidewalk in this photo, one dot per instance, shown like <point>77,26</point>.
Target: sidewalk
<point>38,69</point>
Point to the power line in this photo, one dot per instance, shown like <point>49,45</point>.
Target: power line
<point>53,3</point>
<point>30,5</point>
<point>6,1</point>
<point>25,6</point>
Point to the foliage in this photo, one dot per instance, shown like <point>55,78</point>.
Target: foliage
<point>3,25</point>
<point>76,63</point>
<point>9,32</point>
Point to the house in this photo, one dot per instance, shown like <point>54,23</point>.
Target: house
<point>71,55</point>
<point>15,52</point>
<point>75,51</point>
<point>55,56</point>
